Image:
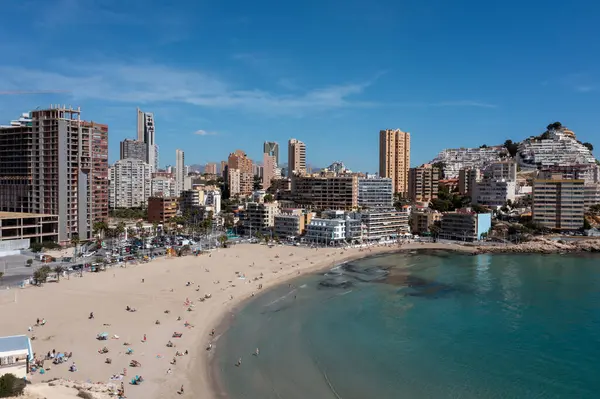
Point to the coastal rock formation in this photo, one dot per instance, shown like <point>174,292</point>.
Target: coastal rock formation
<point>544,245</point>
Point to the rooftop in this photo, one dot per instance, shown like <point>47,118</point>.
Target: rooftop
<point>16,343</point>
<point>22,215</point>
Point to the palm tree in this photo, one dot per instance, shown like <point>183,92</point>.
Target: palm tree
<point>100,228</point>
<point>75,239</point>
<point>131,232</point>
<point>58,270</point>
<point>155,229</point>
<point>223,240</point>
<point>38,277</point>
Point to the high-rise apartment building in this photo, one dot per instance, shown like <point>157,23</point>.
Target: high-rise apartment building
<point>54,163</point>
<point>326,192</point>
<point>269,170</point>
<point>163,185</point>
<point>296,158</point>
<point>145,134</point>
<point>423,183</point>
<point>559,203</point>
<point>272,148</point>
<point>467,179</point>
<point>210,168</point>
<point>394,158</point>
<point>133,149</point>
<point>375,192</point>
<point>130,183</point>
<point>179,171</point>
<point>239,161</point>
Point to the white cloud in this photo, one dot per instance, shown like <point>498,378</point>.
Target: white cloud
<point>204,133</point>
<point>146,83</point>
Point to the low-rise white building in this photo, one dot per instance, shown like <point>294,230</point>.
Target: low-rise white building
<point>291,223</point>
<point>212,198</point>
<point>382,224</point>
<point>16,355</point>
<point>494,193</point>
<point>503,170</point>
<point>326,231</point>
<point>591,195</point>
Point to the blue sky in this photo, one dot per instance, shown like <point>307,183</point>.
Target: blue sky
<point>330,73</point>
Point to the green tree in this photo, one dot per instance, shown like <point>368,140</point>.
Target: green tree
<point>75,239</point>
<point>589,146</point>
<point>554,126</point>
<point>41,275</point>
<point>268,198</point>
<point>99,228</point>
<point>1,275</point>
<point>11,385</point>
<point>131,232</point>
<point>59,270</point>
<point>29,262</point>
<point>511,147</point>
<point>223,240</point>
<point>586,224</point>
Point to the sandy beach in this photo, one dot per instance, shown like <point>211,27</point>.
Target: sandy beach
<point>229,276</point>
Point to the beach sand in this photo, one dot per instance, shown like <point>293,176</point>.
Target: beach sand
<point>67,304</point>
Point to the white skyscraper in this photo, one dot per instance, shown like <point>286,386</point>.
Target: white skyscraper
<point>179,171</point>
<point>130,183</point>
<point>145,133</point>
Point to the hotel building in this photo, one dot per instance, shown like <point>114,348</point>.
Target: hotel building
<point>423,183</point>
<point>559,203</point>
<point>394,158</point>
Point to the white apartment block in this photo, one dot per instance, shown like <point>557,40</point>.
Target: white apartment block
<point>382,224</point>
<point>163,186</point>
<point>234,181</point>
<point>590,173</point>
<point>459,158</point>
<point>212,198</point>
<point>558,150</point>
<point>326,231</point>
<point>494,193</point>
<point>503,170</point>
<point>591,194</point>
<point>130,183</point>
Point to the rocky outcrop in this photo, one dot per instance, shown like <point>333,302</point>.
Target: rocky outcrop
<point>545,246</point>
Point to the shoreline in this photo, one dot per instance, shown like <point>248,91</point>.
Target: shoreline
<point>217,387</point>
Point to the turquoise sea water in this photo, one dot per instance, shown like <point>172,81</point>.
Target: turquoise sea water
<point>423,325</point>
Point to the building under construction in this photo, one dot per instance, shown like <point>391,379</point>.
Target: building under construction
<point>52,162</point>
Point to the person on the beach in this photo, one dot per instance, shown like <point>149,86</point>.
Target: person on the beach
<point>181,390</point>
<point>212,333</point>
<point>91,315</point>
<point>144,340</point>
<point>239,362</point>
<point>257,352</point>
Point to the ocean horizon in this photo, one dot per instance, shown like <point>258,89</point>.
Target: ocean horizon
<point>422,324</point>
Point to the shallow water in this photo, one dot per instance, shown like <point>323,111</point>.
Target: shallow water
<point>418,325</point>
